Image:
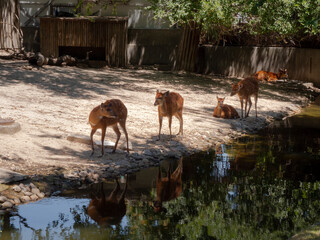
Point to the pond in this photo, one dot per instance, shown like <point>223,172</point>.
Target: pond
<point>265,186</point>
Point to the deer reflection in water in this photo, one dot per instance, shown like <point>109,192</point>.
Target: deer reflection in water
<point>108,210</point>
<point>168,188</point>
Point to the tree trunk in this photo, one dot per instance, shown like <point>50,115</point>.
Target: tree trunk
<point>188,48</point>
<point>10,31</point>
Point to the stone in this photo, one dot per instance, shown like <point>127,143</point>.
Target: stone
<point>16,188</point>
<point>10,128</point>
<point>35,190</point>
<point>32,185</point>
<point>7,176</point>
<point>123,146</point>
<point>25,199</point>
<point>3,199</point>
<point>83,174</point>
<point>6,205</point>
<point>34,197</point>
<point>27,193</point>
<point>41,195</point>
<point>16,201</point>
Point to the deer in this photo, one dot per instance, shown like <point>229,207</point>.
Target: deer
<point>109,113</point>
<point>246,88</point>
<point>169,104</point>
<point>108,210</point>
<point>224,110</point>
<point>168,188</point>
<point>270,76</point>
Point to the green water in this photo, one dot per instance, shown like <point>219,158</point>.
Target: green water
<point>265,186</point>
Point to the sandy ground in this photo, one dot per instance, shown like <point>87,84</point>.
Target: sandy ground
<point>52,103</point>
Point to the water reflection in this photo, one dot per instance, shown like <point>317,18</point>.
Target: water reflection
<point>108,210</point>
<point>168,188</point>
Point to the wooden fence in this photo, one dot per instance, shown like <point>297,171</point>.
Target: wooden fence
<point>109,33</point>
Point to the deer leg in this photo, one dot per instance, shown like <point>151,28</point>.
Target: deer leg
<point>117,131</point>
<point>241,102</point>
<point>91,138</point>
<point>114,193</point>
<point>160,125</point>
<point>123,194</point>
<point>256,100</point>
<point>179,116</point>
<point>170,121</point>
<point>103,134</point>
<point>123,126</point>
<point>250,104</point>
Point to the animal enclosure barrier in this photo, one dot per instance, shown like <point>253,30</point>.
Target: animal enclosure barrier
<point>100,38</point>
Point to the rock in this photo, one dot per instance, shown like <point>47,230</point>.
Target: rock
<point>10,129</point>
<point>27,193</point>
<point>16,201</point>
<point>6,205</point>
<point>136,156</point>
<point>83,174</point>
<point>35,190</point>
<point>123,146</point>
<point>3,199</point>
<point>7,176</point>
<point>34,197</point>
<point>32,185</point>
<point>41,195</point>
<point>16,188</point>
<point>25,199</point>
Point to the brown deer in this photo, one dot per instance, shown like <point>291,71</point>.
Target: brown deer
<point>110,113</point>
<point>108,210</point>
<point>224,110</point>
<point>245,89</point>
<point>168,188</point>
<point>169,104</point>
<point>270,76</point>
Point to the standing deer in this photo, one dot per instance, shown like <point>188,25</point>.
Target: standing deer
<point>245,89</point>
<point>110,113</point>
<point>169,104</point>
<point>168,188</point>
<point>270,76</point>
<point>224,110</point>
<point>108,210</point>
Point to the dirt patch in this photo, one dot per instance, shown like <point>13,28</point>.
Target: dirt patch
<point>52,103</point>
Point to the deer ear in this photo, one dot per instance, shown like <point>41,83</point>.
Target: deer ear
<point>240,86</point>
<point>157,91</point>
<point>166,94</point>
<point>217,97</point>
<point>101,106</point>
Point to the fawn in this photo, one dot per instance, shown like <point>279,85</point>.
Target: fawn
<point>224,110</point>
<point>169,104</point>
<point>110,113</point>
<point>108,210</point>
<point>270,76</point>
<point>168,188</point>
<point>245,89</point>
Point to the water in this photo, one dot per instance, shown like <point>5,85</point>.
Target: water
<point>265,186</point>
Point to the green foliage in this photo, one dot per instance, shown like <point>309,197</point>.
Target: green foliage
<point>284,19</point>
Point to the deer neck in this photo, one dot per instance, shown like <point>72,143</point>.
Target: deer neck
<point>163,107</point>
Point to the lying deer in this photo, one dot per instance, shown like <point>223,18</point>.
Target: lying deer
<point>108,210</point>
<point>245,89</point>
<point>107,114</point>
<point>270,76</point>
<point>224,110</point>
<point>168,188</point>
<point>169,104</point>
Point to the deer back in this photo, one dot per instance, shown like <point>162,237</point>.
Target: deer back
<point>245,87</point>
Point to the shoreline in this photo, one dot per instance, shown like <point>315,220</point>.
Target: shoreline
<point>53,103</point>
